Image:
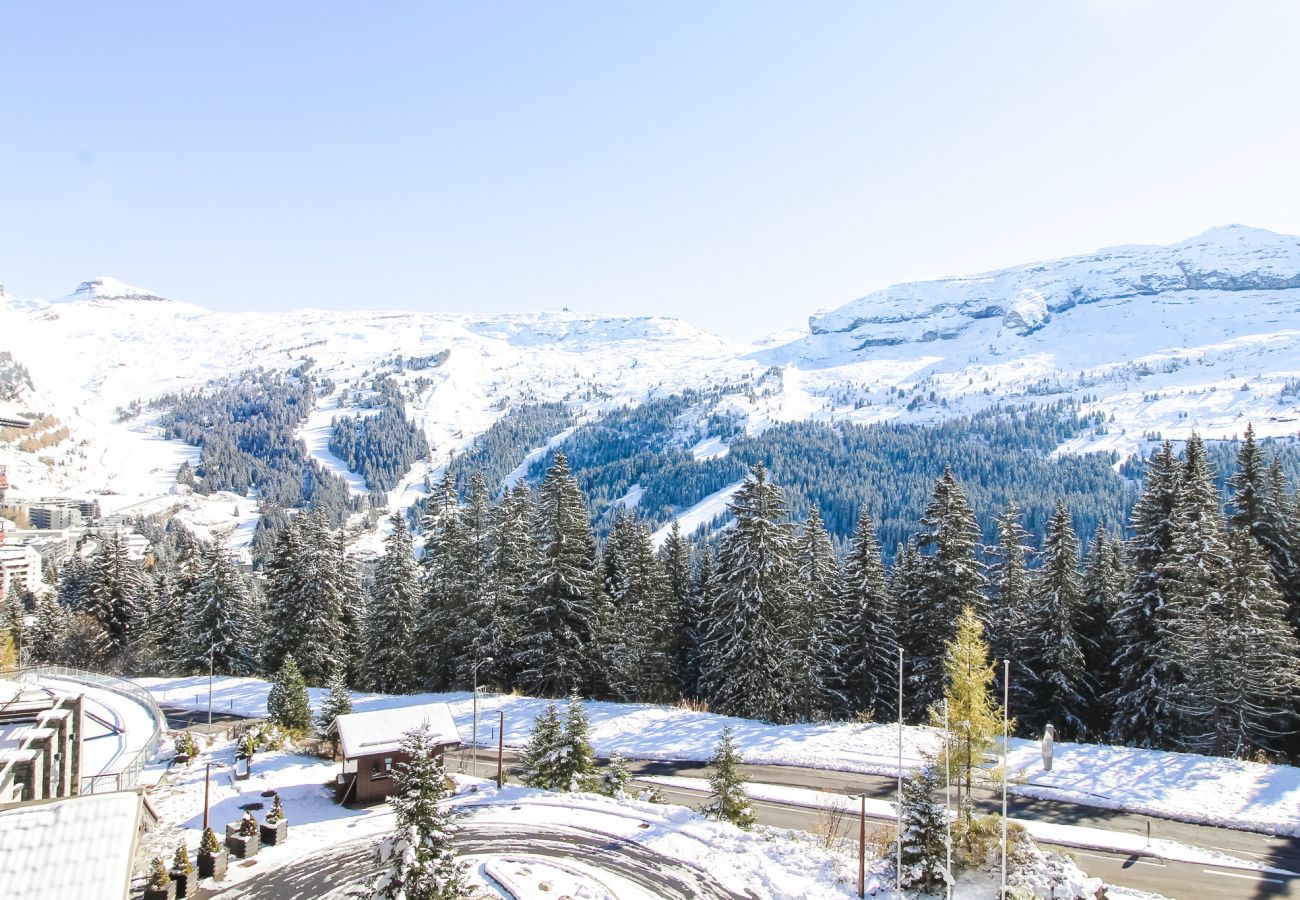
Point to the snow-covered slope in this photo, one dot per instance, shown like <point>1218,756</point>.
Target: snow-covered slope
<point>1201,334</point>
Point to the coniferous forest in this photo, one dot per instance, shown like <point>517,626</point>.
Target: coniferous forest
<point>1179,634</point>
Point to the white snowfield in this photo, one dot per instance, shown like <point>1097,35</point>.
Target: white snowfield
<point>1201,335</point>
<point>1190,788</point>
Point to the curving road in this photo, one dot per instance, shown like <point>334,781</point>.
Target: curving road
<point>344,870</point>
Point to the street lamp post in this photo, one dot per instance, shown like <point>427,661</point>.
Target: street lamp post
<point>474,730</point>
<point>212,652</point>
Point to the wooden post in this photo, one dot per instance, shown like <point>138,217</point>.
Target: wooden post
<point>862,849</point>
<point>501,748</point>
<point>207,778</point>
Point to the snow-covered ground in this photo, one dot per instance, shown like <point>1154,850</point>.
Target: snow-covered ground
<point>1187,787</point>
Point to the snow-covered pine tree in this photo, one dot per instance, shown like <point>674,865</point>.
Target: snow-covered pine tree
<point>418,860</point>
<point>616,778</point>
<point>1194,572</point>
<point>811,649</point>
<point>1010,605</point>
<point>338,702</point>
<point>219,627</point>
<point>1062,693</point>
<point>45,640</point>
<point>907,588</point>
<point>696,623</point>
<point>1258,502</point>
<point>863,631</point>
<point>482,626</point>
<point>329,587</point>
<point>116,598</point>
<point>675,557</point>
<point>287,704</point>
<point>542,765</point>
<point>388,665</point>
<point>1144,712</point>
<point>514,550</point>
<point>974,716</point>
<point>442,585</point>
<point>951,579</point>
<point>74,583</point>
<point>728,801</point>
<point>285,596</point>
<point>1104,580</point>
<point>747,628</point>
<point>647,621</point>
<point>924,831</point>
<point>560,628</point>
<point>1252,657</point>
<point>577,761</point>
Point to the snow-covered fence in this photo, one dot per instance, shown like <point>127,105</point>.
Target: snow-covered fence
<point>129,775</point>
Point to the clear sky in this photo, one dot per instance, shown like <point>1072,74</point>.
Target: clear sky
<point>737,164</point>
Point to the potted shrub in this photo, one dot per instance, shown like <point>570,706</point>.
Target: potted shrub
<point>275,830</point>
<point>186,749</point>
<point>244,843</point>
<point>159,886</point>
<point>212,857</point>
<point>182,870</point>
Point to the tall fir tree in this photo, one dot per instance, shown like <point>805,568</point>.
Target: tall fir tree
<point>810,654</point>
<point>389,664</point>
<point>696,623</point>
<point>1147,675</point>
<point>477,621</point>
<point>287,703</point>
<point>435,636</point>
<point>542,764</point>
<point>1062,693</point>
<point>863,631</point>
<point>1258,503</point>
<point>1010,607</point>
<point>1104,579</point>
<point>647,620</point>
<point>220,618</point>
<point>116,598</point>
<point>950,580</point>
<point>560,629</point>
<point>746,639</point>
<point>675,556</point>
<point>286,594</point>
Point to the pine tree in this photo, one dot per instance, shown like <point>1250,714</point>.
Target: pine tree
<point>1194,572</point>
<point>443,584</point>
<point>514,550</point>
<point>1062,693</point>
<point>924,831</point>
<point>45,640</point>
<point>696,623</point>
<point>219,629</point>
<point>337,703</point>
<point>675,558</point>
<point>863,630</point>
<point>647,622</point>
<point>1259,504</point>
<point>329,587</point>
<point>577,761</point>
<point>116,598</point>
<point>951,579</point>
<point>286,596</point>
<point>1011,606</point>
<point>488,627</point>
<point>811,649</point>
<point>542,764</point>
<point>974,717</point>
<point>616,778</point>
<point>728,801</point>
<point>747,624</point>
<point>418,860</point>
<point>287,704</point>
<point>388,665</point>
<point>1104,579</point>
<point>560,628</point>
<point>1147,675</point>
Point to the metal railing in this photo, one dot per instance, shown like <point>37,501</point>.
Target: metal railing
<point>129,775</point>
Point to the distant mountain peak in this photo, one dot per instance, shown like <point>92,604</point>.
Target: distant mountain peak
<point>104,288</point>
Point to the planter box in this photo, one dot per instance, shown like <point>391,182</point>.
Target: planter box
<point>167,893</point>
<point>244,847</point>
<point>182,882</point>
<point>274,835</point>
<point>213,865</point>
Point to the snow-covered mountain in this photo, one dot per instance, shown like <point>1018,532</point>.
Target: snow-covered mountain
<point>1201,334</point>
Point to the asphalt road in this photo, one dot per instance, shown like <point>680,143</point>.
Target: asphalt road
<point>345,870</point>
<point>1181,881</point>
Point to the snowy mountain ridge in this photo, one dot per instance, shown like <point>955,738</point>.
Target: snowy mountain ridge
<point>1203,334</point>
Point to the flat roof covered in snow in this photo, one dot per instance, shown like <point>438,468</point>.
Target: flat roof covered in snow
<point>382,731</point>
<point>75,847</point>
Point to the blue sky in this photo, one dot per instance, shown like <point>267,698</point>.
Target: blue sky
<point>737,164</point>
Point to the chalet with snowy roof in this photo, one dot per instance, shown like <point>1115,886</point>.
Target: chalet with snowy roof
<point>369,744</point>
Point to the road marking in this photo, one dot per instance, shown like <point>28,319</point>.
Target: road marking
<point>1247,877</point>
<point>1237,850</point>
<point>1119,857</point>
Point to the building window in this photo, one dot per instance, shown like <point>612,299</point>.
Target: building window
<point>382,770</point>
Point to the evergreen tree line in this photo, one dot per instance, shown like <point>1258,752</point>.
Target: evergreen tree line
<point>380,448</point>
<point>1181,636</point>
